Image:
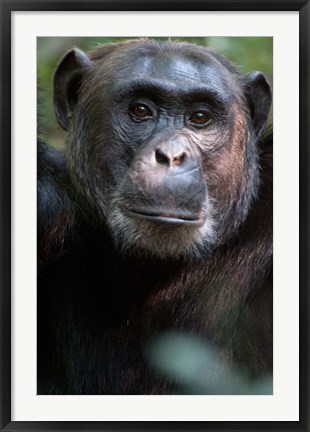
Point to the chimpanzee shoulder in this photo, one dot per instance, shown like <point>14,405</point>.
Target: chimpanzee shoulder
<point>55,202</point>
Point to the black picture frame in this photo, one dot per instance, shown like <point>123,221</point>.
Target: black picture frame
<point>7,7</point>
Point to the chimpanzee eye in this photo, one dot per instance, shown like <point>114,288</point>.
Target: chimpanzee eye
<point>141,111</point>
<point>200,118</point>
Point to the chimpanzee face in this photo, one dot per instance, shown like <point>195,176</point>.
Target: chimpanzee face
<point>162,143</point>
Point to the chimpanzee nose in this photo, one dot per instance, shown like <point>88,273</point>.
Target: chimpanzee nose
<point>164,158</point>
<point>171,152</point>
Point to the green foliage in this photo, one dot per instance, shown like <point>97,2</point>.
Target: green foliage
<point>199,368</point>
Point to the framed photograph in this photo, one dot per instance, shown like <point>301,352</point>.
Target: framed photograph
<point>153,235</point>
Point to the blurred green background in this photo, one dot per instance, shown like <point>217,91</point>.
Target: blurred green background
<point>248,53</point>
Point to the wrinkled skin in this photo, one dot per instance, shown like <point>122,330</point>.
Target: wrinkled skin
<point>159,217</point>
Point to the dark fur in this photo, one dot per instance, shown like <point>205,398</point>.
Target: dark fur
<point>100,302</point>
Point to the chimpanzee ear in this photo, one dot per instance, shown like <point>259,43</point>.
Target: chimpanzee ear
<point>258,94</point>
<point>67,81</point>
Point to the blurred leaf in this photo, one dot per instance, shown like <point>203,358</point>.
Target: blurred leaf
<point>199,368</point>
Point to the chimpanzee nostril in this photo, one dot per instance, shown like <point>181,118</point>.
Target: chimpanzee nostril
<point>169,159</point>
<point>162,158</point>
<point>179,159</point>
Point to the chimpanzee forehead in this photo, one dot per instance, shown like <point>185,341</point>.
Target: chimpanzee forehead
<point>177,70</point>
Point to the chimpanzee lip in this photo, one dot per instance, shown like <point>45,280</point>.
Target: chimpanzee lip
<point>171,217</point>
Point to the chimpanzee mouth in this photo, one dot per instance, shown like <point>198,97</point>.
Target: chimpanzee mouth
<point>168,217</point>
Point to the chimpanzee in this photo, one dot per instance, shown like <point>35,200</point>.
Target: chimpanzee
<point>156,218</point>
